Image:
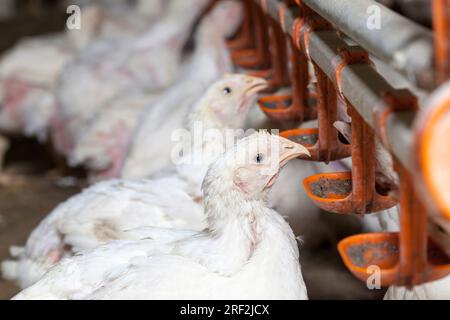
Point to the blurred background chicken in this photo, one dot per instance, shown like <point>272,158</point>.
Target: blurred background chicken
<point>110,68</point>
<point>147,136</point>
<point>29,71</point>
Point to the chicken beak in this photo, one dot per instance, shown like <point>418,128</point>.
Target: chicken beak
<point>290,150</point>
<point>255,85</point>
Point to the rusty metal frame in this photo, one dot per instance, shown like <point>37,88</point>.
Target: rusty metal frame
<point>441,22</point>
<point>376,108</point>
<point>300,105</point>
<point>409,50</point>
<point>360,84</point>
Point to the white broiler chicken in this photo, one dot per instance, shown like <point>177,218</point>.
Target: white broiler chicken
<point>104,143</point>
<point>102,147</point>
<point>29,71</point>
<point>247,251</point>
<point>26,82</point>
<point>173,199</point>
<point>111,68</point>
<point>435,290</point>
<point>102,20</point>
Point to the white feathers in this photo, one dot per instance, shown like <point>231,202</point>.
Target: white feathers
<point>435,290</point>
<point>249,253</point>
<point>103,144</point>
<point>109,69</point>
<point>102,212</point>
<point>151,145</point>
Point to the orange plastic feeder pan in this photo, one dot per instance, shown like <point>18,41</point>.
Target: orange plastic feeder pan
<point>310,138</point>
<point>363,251</point>
<point>404,258</point>
<point>283,108</point>
<point>333,192</point>
<point>356,191</point>
<point>249,59</point>
<point>305,136</point>
<point>360,252</point>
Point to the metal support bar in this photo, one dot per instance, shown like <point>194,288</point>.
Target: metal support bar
<point>405,45</point>
<point>361,85</point>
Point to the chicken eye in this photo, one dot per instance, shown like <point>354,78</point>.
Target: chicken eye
<point>259,158</point>
<point>226,90</point>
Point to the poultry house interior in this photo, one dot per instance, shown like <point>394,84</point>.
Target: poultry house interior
<point>225,149</point>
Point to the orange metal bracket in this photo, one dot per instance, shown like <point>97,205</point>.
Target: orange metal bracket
<point>300,104</point>
<point>277,75</point>
<point>257,57</point>
<point>441,22</point>
<point>328,146</point>
<point>243,39</point>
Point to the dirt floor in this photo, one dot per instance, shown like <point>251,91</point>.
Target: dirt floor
<point>24,202</point>
<point>27,201</point>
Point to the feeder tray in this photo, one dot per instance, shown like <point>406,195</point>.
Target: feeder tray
<point>406,258</point>
<point>309,137</point>
<point>360,252</point>
<point>275,103</point>
<point>283,108</point>
<point>305,136</point>
<point>332,192</point>
<point>354,192</point>
<point>249,59</point>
